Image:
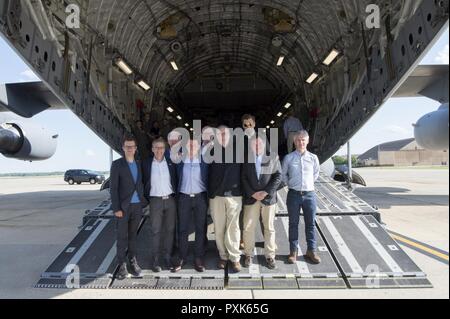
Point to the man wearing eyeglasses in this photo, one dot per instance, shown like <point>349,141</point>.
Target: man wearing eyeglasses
<point>127,197</point>
<point>160,185</point>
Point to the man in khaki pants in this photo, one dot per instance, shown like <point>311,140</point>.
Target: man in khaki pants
<point>260,181</point>
<point>224,190</point>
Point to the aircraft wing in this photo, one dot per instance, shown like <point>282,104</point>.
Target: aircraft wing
<point>28,99</point>
<point>426,81</point>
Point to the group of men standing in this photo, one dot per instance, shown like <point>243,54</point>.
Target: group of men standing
<point>238,195</point>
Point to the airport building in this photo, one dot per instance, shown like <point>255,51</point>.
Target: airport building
<point>402,153</point>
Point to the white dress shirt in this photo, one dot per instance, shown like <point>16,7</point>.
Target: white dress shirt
<point>161,185</point>
<point>258,163</point>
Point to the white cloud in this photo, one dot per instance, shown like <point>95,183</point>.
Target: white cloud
<point>29,75</point>
<point>398,130</point>
<point>89,153</point>
<point>443,55</point>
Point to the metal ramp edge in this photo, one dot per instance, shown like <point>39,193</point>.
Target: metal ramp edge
<point>366,254</point>
<point>88,261</point>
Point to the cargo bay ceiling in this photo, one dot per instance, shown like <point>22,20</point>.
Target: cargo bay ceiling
<point>217,59</point>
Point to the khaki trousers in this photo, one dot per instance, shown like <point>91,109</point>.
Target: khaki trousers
<point>225,214</point>
<point>252,214</point>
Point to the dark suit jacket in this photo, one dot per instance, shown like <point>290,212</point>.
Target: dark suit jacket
<point>203,169</point>
<point>147,175</point>
<point>269,181</point>
<point>122,185</point>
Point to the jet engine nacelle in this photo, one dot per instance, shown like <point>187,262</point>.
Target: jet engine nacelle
<point>26,141</point>
<point>431,131</point>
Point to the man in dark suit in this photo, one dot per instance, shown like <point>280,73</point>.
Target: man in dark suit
<point>192,204</point>
<point>127,196</point>
<point>160,187</point>
<point>261,177</point>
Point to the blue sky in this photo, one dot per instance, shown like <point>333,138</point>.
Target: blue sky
<point>79,147</point>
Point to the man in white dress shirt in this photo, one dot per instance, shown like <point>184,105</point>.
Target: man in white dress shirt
<point>159,177</point>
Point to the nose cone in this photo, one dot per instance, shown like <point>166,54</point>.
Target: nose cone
<point>431,131</point>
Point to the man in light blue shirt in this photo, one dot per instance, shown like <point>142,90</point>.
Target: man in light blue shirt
<point>192,205</point>
<point>300,171</point>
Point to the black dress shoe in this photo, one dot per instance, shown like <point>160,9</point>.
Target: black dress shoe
<point>271,263</point>
<point>198,265</point>
<point>156,268</point>
<point>123,272</point>
<point>178,266</point>
<point>134,267</point>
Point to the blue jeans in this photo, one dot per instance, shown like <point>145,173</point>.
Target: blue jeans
<point>307,202</point>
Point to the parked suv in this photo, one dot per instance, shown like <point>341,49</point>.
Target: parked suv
<point>83,176</point>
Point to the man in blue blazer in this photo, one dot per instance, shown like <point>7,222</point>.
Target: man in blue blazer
<point>127,197</point>
<point>192,204</point>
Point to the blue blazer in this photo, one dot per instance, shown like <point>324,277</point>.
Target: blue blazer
<point>203,169</point>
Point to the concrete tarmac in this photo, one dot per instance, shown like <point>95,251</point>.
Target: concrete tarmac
<point>39,216</point>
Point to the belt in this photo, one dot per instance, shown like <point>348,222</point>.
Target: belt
<point>163,197</point>
<point>194,195</point>
<point>302,193</point>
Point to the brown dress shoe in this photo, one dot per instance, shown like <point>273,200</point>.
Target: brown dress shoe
<point>198,265</point>
<point>313,257</point>
<point>292,259</point>
<point>236,266</point>
<point>248,261</point>
<point>222,264</point>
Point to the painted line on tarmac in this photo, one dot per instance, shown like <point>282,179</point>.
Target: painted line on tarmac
<point>430,251</point>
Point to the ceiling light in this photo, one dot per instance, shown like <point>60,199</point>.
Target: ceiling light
<point>170,109</point>
<point>124,66</point>
<point>186,124</point>
<point>272,122</point>
<point>174,65</point>
<point>280,60</point>
<point>312,78</point>
<point>143,85</point>
<point>331,57</point>
<point>179,117</point>
<point>288,105</point>
<point>268,126</point>
<point>280,114</point>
